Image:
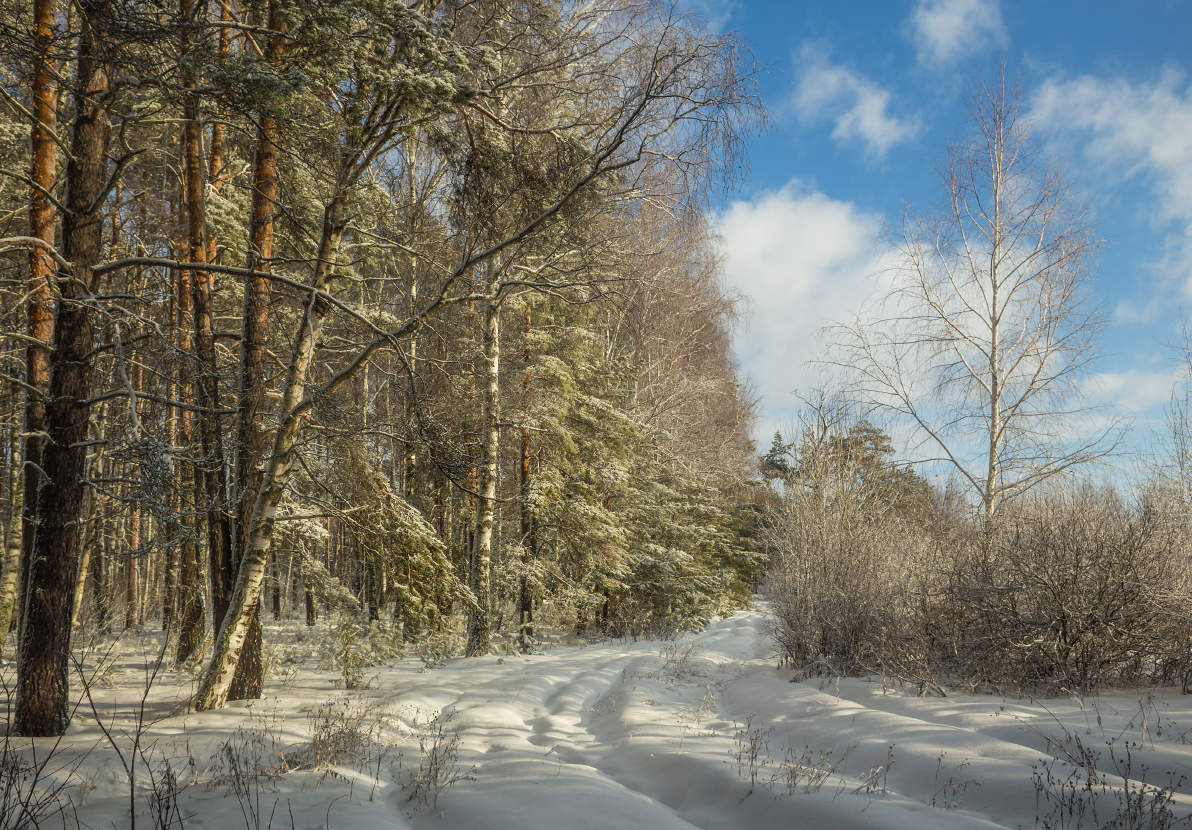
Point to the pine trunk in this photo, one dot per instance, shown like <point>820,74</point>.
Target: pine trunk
<point>8,576</point>
<point>131,618</point>
<point>251,438</point>
<point>10,565</point>
<point>211,495</point>
<point>40,313</point>
<point>189,587</point>
<point>53,552</point>
<point>525,599</point>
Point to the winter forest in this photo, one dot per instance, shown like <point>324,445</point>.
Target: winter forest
<point>375,448</point>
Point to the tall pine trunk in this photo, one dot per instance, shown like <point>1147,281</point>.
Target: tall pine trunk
<point>189,585</point>
<point>53,552</point>
<point>40,313</point>
<point>529,540</point>
<point>11,564</point>
<point>211,494</point>
<point>254,354</point>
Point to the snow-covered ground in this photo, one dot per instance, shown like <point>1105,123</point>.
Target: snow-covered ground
<point>627,735</point>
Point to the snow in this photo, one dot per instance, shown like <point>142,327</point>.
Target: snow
<point>620,734</point>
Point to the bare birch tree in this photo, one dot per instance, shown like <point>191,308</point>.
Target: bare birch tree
<point>985,331</point>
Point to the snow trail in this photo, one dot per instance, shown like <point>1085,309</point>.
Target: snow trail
<point>647,734</point>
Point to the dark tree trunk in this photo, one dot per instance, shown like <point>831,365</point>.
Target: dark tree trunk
<point>189,588</point>
<point>169,577</point>
<point>211,493</point>
<point>40,313</point>
<point>480,574</point>
<point>276,587</point>
<point>100,572</point>
<point>254,348</point>
<point>53,555</point>
<point>189,585</point>
<point>131,618</point>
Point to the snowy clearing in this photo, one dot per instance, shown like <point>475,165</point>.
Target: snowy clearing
<point>627,734</point>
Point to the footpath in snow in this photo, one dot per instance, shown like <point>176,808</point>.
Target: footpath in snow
<point>700,732</point>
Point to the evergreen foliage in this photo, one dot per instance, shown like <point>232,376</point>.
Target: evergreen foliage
<point>317,225</point>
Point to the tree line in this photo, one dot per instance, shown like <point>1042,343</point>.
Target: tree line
<point>404,307</point>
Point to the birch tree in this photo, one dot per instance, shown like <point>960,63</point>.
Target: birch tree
<point>985,331</point>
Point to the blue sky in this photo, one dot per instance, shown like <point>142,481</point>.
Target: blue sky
<point>864,98</point>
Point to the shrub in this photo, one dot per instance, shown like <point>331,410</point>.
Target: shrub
<point>852,553</point>
<point>1075,592</point>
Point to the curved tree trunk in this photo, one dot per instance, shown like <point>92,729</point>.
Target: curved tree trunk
<point>250,577</point>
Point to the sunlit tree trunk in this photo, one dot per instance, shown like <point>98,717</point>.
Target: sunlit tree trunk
<point>254,346</point>
<point>529,540</point>
<point>217,682</point>
<point>480,576</point>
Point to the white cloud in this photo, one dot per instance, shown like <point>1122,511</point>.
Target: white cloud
<point>1134,130</point>
<point>858,107</point>
<point>945,30</point>
<point>803,260</point>
<point>1132,391</point>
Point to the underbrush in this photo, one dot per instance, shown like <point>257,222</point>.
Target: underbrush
<point>350,741</point>
<point>1088,787</point>
<point>1075,592</point>
<point>807,770</point>
<point>31,795</point>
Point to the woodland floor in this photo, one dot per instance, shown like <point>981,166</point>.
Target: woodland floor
<point>621,734</point>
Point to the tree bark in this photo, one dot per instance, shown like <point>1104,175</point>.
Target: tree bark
<point>53,555</point>
<point>480,576</point>
<point>212,491</point>
<point>215,171</point>
<point>10,566</point>
<point>40,312</point>
<point>8,576</point>
<point>169,577</point>
<point>254,355</point>
<point>217,682</point>
<point>100,575</point>
<point>529,540</point>
<point>189,587</point>
<point>131,617</point>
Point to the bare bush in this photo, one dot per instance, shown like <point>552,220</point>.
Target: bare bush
<point>873,572</point>
<point>29,795</point>
<point>438,762</point>
<point>1078,591</point>
<point>808,770</point>
<point>851,555</point>
<point>1072,792</point>
<point>676,654</point>
<point>346,730</point>
<point>247,766</point>
<point>165,788</point>
<point>751,751</point>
